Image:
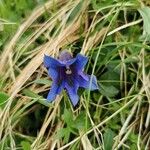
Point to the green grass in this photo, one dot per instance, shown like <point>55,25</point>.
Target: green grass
<point>114,35</point>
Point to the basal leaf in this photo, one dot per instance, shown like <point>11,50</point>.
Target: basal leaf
<point>41,100</point>
<point>43,81</point>
<point>108,139</point>
<point>109,91</point>
<point>63,133</point>
<point>25,145</point>
<point>68,118</point>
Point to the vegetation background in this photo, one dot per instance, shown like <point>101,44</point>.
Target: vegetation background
<point>114,35</point>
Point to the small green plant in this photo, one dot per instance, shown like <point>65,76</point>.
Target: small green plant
<point>114,36</point>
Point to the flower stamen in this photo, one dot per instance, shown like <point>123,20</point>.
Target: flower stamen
<point>68,70</point>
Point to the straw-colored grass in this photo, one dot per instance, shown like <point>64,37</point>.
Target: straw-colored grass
<point>117,116</point>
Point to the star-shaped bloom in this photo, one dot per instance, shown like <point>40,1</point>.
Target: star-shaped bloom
<point>67,73</point>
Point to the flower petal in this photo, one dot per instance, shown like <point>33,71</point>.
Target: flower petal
<point>67,62</point>
<point>60,87</point>
<point>54,91</point>
<point>51,62</point>
<point>91,85</point>
<point>83,75</point>
<point>53,73</point>
<point>81,61</point>
<point>72,92</point>
<point>70,62</point>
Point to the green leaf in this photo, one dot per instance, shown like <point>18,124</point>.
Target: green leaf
<point>133,137</point>
<point>30,93</point>
<point>108,139</point>
<point>99,4</point>
<point>79,122</point>
<point>39,98</point>
<point>145,13</point>
<point>109,91</point>
<point>43,81</point>
<point>68,117</point>
<point>3,97</point>
<point>25,145</point>
<point>111,77</point>
<point>63,133</point>
<point>75,12</point>
<point>75,146</point>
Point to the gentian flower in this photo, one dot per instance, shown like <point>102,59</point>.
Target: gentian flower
<point>67,73</point>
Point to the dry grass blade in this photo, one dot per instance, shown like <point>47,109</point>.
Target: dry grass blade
<point>125,125</point>
<point>37,141</point>
<point>109,33</point>
<point>93,40</point>
<point>38,59</point>
<point>10,46</point>
<point>86,143</point>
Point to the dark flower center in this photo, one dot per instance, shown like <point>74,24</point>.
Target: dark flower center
<point>68,70</point>
<point>67,73</point>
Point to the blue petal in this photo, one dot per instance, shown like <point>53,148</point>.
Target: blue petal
<point>51,62</point>
<point>54,91</point>
<point>81,61</point>
<point>53,73</point>
<point>72,92</point>
<point>83,75</point>
<point>60,87</point>
<point>68,62</point>
<point>91,84</point>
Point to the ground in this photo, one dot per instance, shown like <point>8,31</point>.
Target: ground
<point>115,37</point>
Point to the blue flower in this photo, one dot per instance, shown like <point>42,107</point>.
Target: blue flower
<point>67,73</point>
